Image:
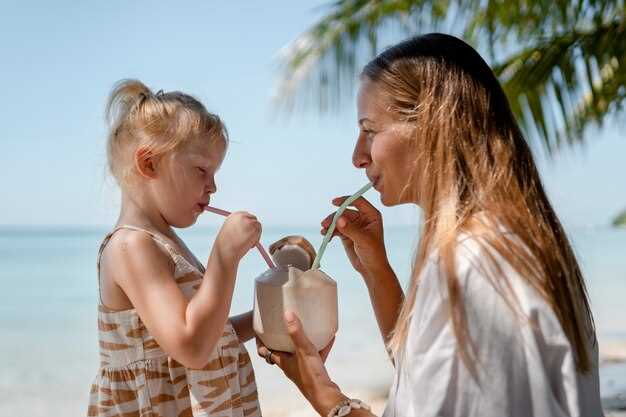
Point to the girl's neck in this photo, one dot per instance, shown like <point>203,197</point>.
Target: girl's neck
<point>137,211</point>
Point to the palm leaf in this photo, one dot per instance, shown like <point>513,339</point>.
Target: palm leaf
<point>561,61</point>
<point>568,82</point>
<point>321,65</point>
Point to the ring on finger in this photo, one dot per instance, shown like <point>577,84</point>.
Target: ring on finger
<point>268,357</point>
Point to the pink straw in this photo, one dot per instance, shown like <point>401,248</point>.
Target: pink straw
<point>260,247</point>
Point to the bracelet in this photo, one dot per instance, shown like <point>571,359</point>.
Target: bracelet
<point>346,406</point>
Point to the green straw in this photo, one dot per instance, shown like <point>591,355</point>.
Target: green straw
<point>331,229</point>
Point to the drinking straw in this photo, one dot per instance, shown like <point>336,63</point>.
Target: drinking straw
<point>331,229</point>
<point>260,247</point>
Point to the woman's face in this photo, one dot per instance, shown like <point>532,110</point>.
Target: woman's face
<point>384,148</point>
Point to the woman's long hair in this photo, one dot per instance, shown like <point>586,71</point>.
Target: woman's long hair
<point>471,158</point>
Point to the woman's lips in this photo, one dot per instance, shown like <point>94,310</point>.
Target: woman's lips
<point>376,183</point>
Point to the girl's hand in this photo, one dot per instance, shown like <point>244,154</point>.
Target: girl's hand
<point>239,233</point>
<point>361,232</point>
<point>306,367</point>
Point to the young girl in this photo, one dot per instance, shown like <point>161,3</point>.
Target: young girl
<point>167,346</point>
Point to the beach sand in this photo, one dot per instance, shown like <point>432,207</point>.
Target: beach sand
<point>612,352</point>
<point>375,399</point>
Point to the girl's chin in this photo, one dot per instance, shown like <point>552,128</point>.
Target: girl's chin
<point>190,220</point>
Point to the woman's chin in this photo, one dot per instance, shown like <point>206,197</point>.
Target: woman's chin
<point>390,200</point>
<point>384,199</point>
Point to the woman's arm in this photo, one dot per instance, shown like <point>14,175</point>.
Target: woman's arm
<point>361,232</point>
<point>306,369</point>
<point>243,326</point>
<point>386,297</point>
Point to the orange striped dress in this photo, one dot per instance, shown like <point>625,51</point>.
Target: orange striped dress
<point>138,379</point>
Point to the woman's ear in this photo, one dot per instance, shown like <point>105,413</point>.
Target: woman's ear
<point>145,163</point>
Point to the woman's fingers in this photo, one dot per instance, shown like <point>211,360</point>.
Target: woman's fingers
<point>326,351</point>
<point>298,337</point>
<point>277,357</point>
<point>351,225</point>
<point>360,203</point>
<point>348,214</point>
<point>327,220</point>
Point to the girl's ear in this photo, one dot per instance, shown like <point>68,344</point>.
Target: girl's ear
<point>145,163</point>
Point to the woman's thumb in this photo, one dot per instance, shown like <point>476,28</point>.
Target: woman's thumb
<point>296,332</point>
<point>348,229</point>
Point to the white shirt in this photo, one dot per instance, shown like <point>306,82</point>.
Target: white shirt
<point>523,371</point>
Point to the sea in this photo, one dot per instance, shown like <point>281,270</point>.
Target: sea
<point>48,314</point>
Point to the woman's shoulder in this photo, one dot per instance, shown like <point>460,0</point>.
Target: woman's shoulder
<point>480,270</point>
<point>472,253</point>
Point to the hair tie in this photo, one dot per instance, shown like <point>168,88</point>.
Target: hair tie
<point>159,93</point>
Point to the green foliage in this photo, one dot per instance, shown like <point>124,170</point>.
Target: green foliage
<point>561,63</point>
<point>620,221</point>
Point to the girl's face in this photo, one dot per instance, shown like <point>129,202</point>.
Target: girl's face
<point>384,148</point>
<point>186,180</point>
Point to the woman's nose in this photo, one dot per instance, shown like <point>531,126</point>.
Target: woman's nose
<point>361,157</point>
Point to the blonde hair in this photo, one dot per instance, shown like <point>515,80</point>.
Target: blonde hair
<point>476,160</point>
<point>158,122</point>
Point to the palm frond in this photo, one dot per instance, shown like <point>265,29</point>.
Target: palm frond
<point>567,82</point>
<point>561,61</point>
<point>327,57</point>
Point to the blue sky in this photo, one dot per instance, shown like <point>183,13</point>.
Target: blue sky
<point>60,60</point>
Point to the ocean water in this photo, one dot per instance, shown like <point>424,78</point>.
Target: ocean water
<point>48,332</point>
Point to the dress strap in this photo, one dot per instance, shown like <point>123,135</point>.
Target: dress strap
<point>170,250</point>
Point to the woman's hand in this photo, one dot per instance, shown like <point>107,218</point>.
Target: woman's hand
<point>361,232</point>
<point>306,367</point>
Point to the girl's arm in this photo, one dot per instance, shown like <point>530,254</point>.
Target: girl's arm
<point>243,326</point>
<point>187,330</point>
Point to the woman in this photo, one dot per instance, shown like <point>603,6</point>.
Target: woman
<point>496,320</point>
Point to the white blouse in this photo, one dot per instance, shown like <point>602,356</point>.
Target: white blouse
<point>523,370</point>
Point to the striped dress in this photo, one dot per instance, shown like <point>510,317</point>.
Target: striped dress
<point>138,379</point>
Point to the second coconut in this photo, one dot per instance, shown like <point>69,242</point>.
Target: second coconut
<point>293,286</point>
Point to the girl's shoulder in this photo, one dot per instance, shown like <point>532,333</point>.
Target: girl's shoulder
<point>131,258</point>
<point>130,245</point>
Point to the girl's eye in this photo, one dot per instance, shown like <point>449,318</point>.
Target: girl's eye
<point>202,170</point>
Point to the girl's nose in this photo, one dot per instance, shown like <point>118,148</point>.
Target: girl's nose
<point>361,157</point>
<point>211,186</point>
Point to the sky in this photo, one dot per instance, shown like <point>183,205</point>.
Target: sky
<point>59,61</point>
